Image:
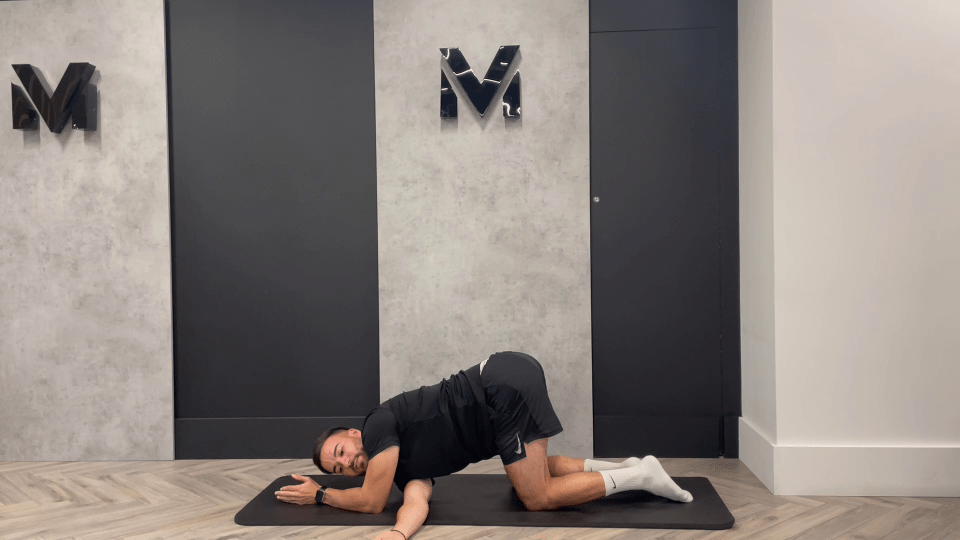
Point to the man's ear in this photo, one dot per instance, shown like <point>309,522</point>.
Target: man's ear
<point>354,432</point>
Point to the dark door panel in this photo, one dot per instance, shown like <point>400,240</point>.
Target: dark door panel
<point>658,373</point>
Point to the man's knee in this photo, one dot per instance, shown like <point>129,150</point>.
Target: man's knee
<point>536,502</point>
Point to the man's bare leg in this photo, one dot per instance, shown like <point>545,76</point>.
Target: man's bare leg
<point>562,465</point>
<point>539,490</point>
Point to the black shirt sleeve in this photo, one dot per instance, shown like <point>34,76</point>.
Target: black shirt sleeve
<point>379,432</point>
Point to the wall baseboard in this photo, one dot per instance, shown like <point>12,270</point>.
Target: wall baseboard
<point>867,471</point>
<point>756,452</point>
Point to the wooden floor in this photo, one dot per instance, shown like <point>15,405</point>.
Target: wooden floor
<point>198,499</point>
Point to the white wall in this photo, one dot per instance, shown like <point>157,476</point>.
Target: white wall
<point>86,361</point>
<point>865,184</point>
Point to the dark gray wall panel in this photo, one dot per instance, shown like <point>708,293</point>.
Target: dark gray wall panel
<point>274,208</point>
<point>729,175</point>
<point>675,436</point>
<point>254,438</point>
<point>623,15</point>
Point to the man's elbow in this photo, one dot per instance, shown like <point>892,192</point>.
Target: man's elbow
<point>375,508</point>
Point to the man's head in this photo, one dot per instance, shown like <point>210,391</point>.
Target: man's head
<point>340,451</point>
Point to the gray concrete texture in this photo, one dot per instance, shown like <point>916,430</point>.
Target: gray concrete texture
<point>484,227</point>
<point>85,300</point>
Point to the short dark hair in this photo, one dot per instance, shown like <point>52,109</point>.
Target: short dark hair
<point>319,444</point>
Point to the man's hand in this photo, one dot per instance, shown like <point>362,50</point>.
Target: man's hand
<point>305,493</point>
<point>388,535</point>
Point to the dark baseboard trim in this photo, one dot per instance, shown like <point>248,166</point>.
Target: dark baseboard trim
<point>253,438</point>
<point>661,436</point>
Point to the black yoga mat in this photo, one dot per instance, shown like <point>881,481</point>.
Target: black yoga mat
<point>490,500</point>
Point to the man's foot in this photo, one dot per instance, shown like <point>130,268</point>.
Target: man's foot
<point>659,482</point>
<point>648,476</point>
<point>630,462</point>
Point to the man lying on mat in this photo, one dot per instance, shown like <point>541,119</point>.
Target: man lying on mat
<point>498,407</point>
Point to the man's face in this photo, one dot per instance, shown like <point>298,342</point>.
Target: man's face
<point>343,454</point>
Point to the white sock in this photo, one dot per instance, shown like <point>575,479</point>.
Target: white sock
<point>648,476</point>
<point>593,465</point>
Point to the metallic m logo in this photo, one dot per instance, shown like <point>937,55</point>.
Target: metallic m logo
<point>73,97</point>
<point>481,94</point>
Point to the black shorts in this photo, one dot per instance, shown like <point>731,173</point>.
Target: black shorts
<point>515,390</point>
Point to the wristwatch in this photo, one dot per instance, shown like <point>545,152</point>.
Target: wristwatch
<point>320,493</point>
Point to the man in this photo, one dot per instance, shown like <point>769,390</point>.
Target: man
<point>498,407</point>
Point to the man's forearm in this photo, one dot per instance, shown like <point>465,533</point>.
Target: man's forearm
<point>411,516</point>
<point>348,499</point>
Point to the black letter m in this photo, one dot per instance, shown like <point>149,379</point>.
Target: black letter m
<point>481,94</point>
<point>73,97</point>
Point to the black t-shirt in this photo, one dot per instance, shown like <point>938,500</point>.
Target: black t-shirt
<point>440,429</point>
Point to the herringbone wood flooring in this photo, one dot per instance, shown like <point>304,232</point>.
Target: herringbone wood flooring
<point>198,499</point>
